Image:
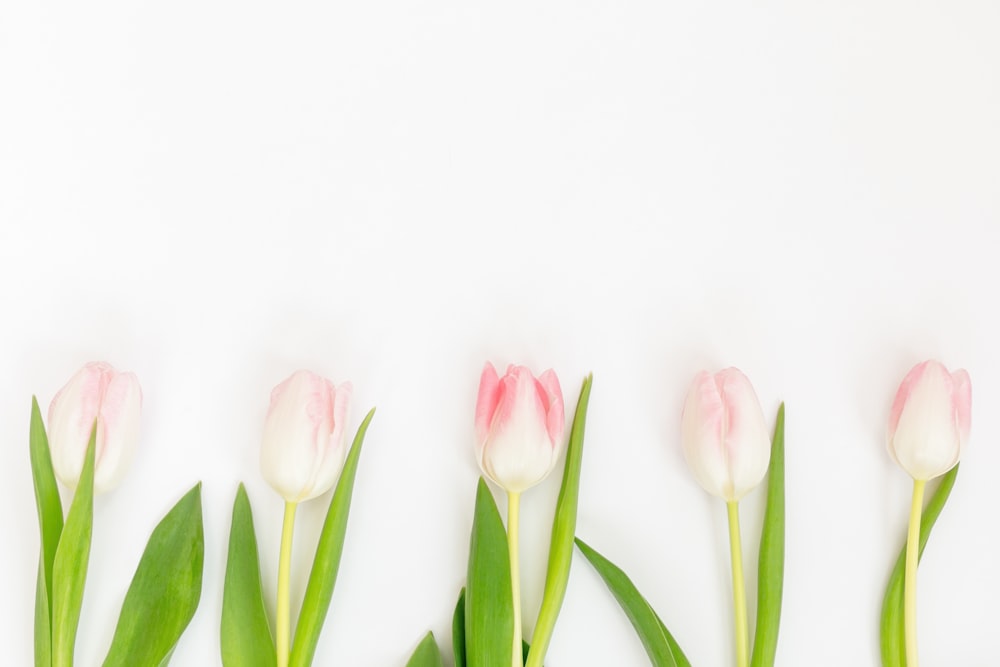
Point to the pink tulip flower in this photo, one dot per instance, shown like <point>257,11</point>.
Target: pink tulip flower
<point>96,392</point>
<point>725,439</point>
<point>519,426</point>
<point>303,448</point>
<point>930,420</point>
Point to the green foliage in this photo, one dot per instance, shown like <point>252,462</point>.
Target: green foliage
<point>326,563</point>
<point>69,567</point>
<point>771,562</point>
<point>489,606</point>
<point>165,590</point>
<point>662,649</point>
<point>245,635</point>
<point>427,653</point>
<point>563,530</point>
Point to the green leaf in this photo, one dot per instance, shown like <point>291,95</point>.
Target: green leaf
<point>69,567</point>
<point>489,605</point>
<point>43,620</point>
<point>245,636</point>
<point>427,653</point>
<point>771,562</point>
<point>891,625</point>
<point>323,576</point>
<point>458,630</point>
<point>662,649</point>
<point>165,590</point>
<point>563,530</point>
<point>50,525</point>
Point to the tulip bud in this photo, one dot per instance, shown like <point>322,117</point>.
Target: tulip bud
<point>519,426</point>
<point>725,440</point>
<point>303,448</point>
<point>930,420</point>
<point>97,392</point>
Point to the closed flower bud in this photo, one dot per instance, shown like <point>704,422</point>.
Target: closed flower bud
<point>725,440</point>
<point>303,448</point>
<point>930,420</point>
<point>96,393</point>
<point>519,426</point>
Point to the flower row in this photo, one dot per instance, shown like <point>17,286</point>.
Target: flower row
<point>520,421</point>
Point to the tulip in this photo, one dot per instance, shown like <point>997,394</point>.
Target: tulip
<point>519,426</point>
<point>928,427</point>
<point>303,446</point>
<point>930,420</point>
<point>99,394</point>
<point>301,457</point>
<point>519,429</point>
<point>726,444</point>
<point>725,440</point>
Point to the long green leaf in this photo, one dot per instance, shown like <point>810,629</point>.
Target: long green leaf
<point>165,590</point>
<point>43,621</point>
<point>660,645</point>
<point>563,530</point>
<point>771,561</point>
<point>891,626</point>
<point>458,630</point>
<point>323,576</point>
<point>489,605</point>
<point>69,568</point>
<point>427,653</point>
<point>245,635</point>
<point>50,525</point>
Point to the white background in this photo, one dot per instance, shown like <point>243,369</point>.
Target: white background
<point>214,194</point>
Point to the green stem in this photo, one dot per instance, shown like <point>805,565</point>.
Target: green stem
<point>739,589</point>
<point>910,583</point>
<point>283,644</point>
<point>513,519</point>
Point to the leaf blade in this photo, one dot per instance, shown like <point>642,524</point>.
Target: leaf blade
<point>50,525</point>
<point>245,635</point>
<point>326,562</point>
<point>165,589</point>
<point>458,630</point>
<point>661,647</point>
<point>426,654</point>
<point>489,605</point>
<point>69,567</point>
<point>771,560</point>
<point>563,531</point>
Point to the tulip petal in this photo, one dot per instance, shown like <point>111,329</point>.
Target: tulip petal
<point>486,403</point>
<point>747,444</point>
<point>926,440</point>
<point>962,398</point>
<point>701,436</point>
<point>119,421</point>
<point>555,420</point>
<point>302,451</point>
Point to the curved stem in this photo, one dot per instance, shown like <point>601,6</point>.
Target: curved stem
<point>910,582</point>
<point>513,519</point>
<point>739,589</point>
<point>283,644</point>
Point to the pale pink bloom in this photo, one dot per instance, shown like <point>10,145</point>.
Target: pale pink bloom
<point>723,433</point>
<point>519,426</point>
<point>303,449</point>
<point>930,420</point>
<point>97,392</point>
